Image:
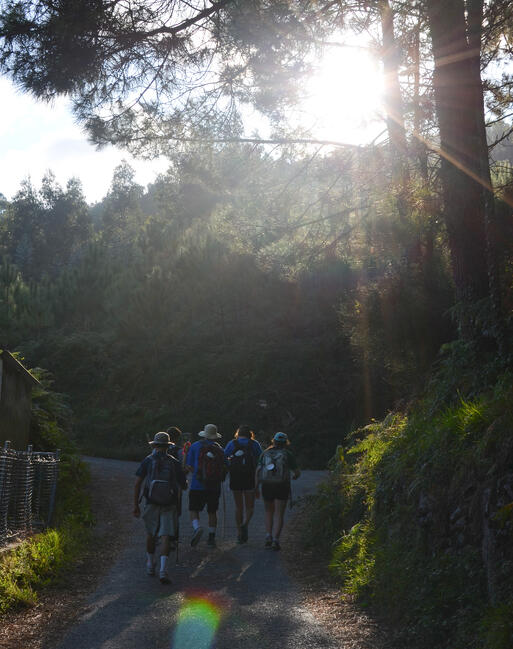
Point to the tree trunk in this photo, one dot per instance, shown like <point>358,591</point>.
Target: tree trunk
<point>392,96</point>
<point>465,168</point>
<point>394,108</point>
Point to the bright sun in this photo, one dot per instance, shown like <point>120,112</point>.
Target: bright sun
<point>345,97</point>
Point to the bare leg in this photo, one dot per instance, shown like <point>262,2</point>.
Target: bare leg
<point>280,513</point>
<point>269,514</point>
<point>249,501</point>
<point>239,508</point>
<point>164,545</point>
<point>150,544</point>
<point>212,519</point>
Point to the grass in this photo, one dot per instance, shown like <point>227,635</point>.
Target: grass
<point>404,510</point>
<point>40,560</point>
<point>36,563</point>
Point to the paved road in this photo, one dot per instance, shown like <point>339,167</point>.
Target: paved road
<point>258,604</point>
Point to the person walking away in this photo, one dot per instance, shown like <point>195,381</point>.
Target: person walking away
<point>163,477</point>
<point>273,472</point>
<point>242,455</point>
<point>175,447</point>
<point>176,450</point>
<point>205,460</point>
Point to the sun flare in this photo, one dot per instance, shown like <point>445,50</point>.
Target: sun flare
<point>345,96</point>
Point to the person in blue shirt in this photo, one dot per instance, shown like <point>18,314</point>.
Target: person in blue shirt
<point>205,457</point>
<point>242,455</point>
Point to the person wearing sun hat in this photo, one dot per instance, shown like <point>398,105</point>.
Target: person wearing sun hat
<point>160,514</point>
<point>205,461</point>
<point>273,471</point>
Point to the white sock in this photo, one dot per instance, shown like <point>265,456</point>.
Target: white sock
<point>149,558</point>
<point>211,530</point>
<point>163,563</point>
<point>195,524</point>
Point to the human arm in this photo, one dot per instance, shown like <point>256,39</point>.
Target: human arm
<point>189,460</point>
<point>180,476</point>
<point>257,452</point>
<point>293,466</point>
<point>137,496</point>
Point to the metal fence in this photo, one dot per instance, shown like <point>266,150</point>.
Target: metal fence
<point>28,482</point>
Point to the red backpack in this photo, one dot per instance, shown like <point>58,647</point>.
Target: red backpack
<point>211,467</point>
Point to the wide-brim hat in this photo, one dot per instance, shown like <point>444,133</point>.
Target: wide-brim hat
<point>161,439</point>
<point>210,432</point>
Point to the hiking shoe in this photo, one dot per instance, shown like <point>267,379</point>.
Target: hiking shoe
<point>150,569</point>
<point>268,543</point>
<point>244,533</point>
<point>275,545</point>
<point>164,577</point>
<point>211,540</point>
<point>196,536</point>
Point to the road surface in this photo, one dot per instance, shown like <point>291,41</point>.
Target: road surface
<point>233,597</point>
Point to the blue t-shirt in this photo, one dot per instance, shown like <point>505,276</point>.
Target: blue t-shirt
<point>256,449</point>
<point>192,460</point>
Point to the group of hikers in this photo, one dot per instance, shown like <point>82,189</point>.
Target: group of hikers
<point>203,466</point>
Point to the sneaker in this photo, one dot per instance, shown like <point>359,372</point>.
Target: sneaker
<point>275,545</point>
<point>268,542</point>
<point>164,577</point>
<point>244,533</point>
<point>211,540</point>
<point>196,536</point>
<point>150,569</point>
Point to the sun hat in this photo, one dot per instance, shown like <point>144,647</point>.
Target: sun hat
<point>210,432</point>
<point>160,439</point>
<point>280,437</point>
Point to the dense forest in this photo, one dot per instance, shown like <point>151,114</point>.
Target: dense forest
<point>292,283</point>
<point>216,294</point>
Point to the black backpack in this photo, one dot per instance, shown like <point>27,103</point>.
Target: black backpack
<point>161,483</point>
<point>242,461</point>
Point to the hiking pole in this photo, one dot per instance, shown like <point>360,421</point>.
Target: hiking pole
<point>178,514</point>
<point>224,510</point>
<point>177,538</point>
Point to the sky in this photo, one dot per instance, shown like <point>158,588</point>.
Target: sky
<point>36,137</point>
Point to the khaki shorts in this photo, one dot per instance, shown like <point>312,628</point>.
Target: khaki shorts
<point>160,521</point>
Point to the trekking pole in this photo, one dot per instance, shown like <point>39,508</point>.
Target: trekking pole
<point>177,538</point>
<point>178,514</point>
<point>224,510</point>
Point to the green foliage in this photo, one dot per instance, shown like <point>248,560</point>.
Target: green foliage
<point>407,494</point>
<point>37,562</point>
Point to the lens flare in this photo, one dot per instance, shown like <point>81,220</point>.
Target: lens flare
<point>197,624</point>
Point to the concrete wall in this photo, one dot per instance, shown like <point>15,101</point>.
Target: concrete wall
<point>15,405</point>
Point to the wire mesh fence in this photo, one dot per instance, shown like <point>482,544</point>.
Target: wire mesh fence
<point>28,482</point>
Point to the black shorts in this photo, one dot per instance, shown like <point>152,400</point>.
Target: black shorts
<point>198,498</point>
<point>242,483</point>
<point>276,491</point>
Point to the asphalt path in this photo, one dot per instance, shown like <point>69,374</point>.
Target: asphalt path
<point>232,597</point>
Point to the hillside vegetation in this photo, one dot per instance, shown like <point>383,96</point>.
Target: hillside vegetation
<point>420,512</point>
